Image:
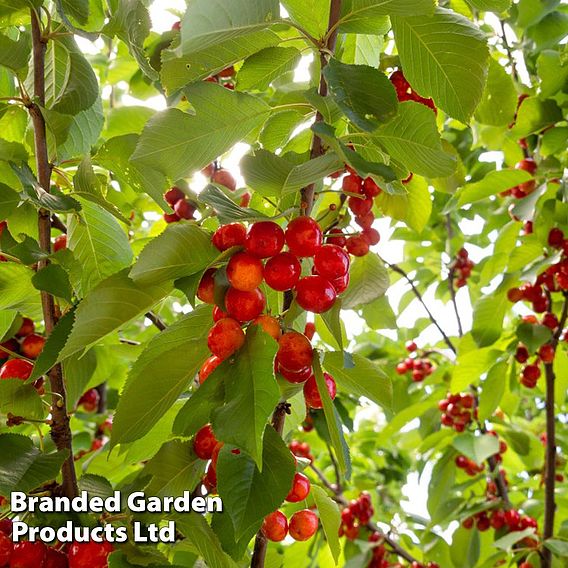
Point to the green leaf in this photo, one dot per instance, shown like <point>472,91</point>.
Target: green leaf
<point>9,200</point>
<point>275,176</point>
<point>77,9</point>
<point>21,399</point>
<point>99,243</point>
<point>312,16</point>
<point>330,518</point>
<point>412,138</point>
<point>225,208</point>
<point>54,280</point>
<point>131,23</point>
<point>15,54</point>
<point>379,314</point>
<point>488,315</point>
<point>443,476</point>
<point>476,448</point>
<point>362,16</point>
<point>251,393</point>
<point>554,140</point>
<point>363,93</point>
<point>181,250</point>
<point>444,56</point>
<point>278,130</point>
<point>16,288</point>
<point>533,336</point>
<point>9,323</point>
<point>108,306</point>
<point>492,390</point>
<point>496,6</point>
<point>260,69</point>
<point>499,102</point>
<point>11,6</point>
<point>162,375</point>
<point>126,120</point>
<point>176,143</point>
<point>365,378</point>
<point>470,366</point>
<point>493,183</point>
<point>369,280</point>
<point>240,482</point>
<point>333,422</point>
<point>332,321</point>
<point>12,151</point>
<point>535,115</point>
<point>466,548</point>
<point>553,72</point>
<point>209,22</point>
<point>557,546</point>
<point>23,467</point>
<point>175,469</point>
<point>506,542</point>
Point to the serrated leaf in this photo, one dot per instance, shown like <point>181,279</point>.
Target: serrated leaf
<point>21,399</point>
<point>15,54</point>
<point>369,280</point>
<point>363,93</point>
<point>111,304</point>
<point>54,280</point>
<point>260,69</point>
<point>490,5</point>
<point>23,467</point>
<point>162,375</point>
<point>535,115</point>
<point>488,314</point>
<point>357,13</point>
<point>493,183</point>
<point>96,486</point>
<point>476,448</point>
<point>251,394</point>
<point>492,390</point>
<point>177,143</point>
<point>499,101</point>
<point>9,200</point>
<point>181,250</point>
<point>16,288</point>
<point>330,518</point>
<point>240,482</point>
<point>444,56</point>
<point>470,366</point>
<point>312,16</point>
<point>225,208</point>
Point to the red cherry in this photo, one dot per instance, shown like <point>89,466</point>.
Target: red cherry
<point>60,243</point>
<point>204,443</point>
<point>32,346</point>
<point>225,337</point>
<point>264,239</point>
<point>89,554</point>
<point>360,206</point>
<point>225,177</point>
<point>227,236</point>
<point>244,272</point>
<point>206,288</point>
<point>315,294</point>
<point>303,236</point>
<point>546,353</point>
<point>173,195</point>
<point>371,235</point>
<point>295,351</point>
<point>528,165</point>
<point>401,369</point>
<point>311,392</point>
<point>357,245</point>
<point>171,218</point>
<point>483,523</point>
<point>365,221</point>
<point>16,369</point>
<point>300,488</point>
<point>531,372</point>
<point>296,377</point>
<point>331,261</point>
<point>310,330</point>
<point>244,306</point>
<point>184,209</point>
<point>55,559</point>
<point>12,345</point>
<point>352,183</point>
<point>303,525</point>
<point>275,526</point>
<point>210,364</point>
<point>462,462</point>
<point>282,271</point>
<point>515,295</point>
<point>6,547</point>
<point>90,400</point>
<point>336,237</point>
<point>556,237</point>
<point>411,346</point>
<point>28,554</point>
<point>340,284</point>
<point>370,188</point>
<point>245,199</point>
<point>26,328</point>
<point>218,313</point>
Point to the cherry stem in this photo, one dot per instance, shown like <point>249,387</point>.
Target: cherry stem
<point>451,277</point>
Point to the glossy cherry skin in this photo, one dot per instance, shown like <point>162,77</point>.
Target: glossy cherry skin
<point>28,554</point>
<point>32,346</point>
<point>315,294</point>
<point>357,245</point>
<point>303,236</point>
<point>300,488</point>
<point>311,392</point>
<point>270,325</point>
<point>225,337</point>
<point>206,287</point>
<point>90,400</point>
<point>6,547</point>
<point>303,525</point>
<point>360,206</point>
<point>89,554</point>
<point>282,271</point>
<point>295,351</point>
<point>244,272</point>
<point>225,178</point>
<point>336,237</point>
<point>60,243</point>
<point>26,328</point>
<point>16,369</point>
<point>227,236</point>
<point>264,239</point>
<point>55,559</point>
<point>331,261</point>
<point>210,364</point>
<point>275,526</point>
<point>244,306</point>
<point>204,443</point>
<point>173,195</point>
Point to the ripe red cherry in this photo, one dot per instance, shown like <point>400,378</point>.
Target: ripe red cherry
<point>296,377</point>
<point>370,188</point>
<point>300,488</point>
<point>26,328</point>
<point>528,165</point>
<point>210,364</point>
<point>310,330</point>
<point>171,218</point>
<point>556,237</point>
<point>411,346</point>
<point>515,295</point>
<point>55,559</point>
<point>282,271</point>
<point>331,261</point>
<point>340,284</point>
<point>204,443</point>
<point>264,239</point>
<point>294,351</point>
<point>173,195</point>
<point>89,554</point>
<point>311,392</point>
<point>531,372</point>
<point>315,294</point>
<point>303,525</point>
<point>16,369</point>
<point>227,236</point>
<point>244,306</point>
<point>27,554</point>
<point>462,462</point>
<point>206,288</point>
<point>224,177</point>
<point>270,325</point>
<point>360,206</point>
<point>336,237</point>
<point>218,313</point>
<point>60,243</point>
<point>371,235</point>
<point>6,548</point>
<point>303,236</point>
<point>184,209</point>
<point>12,345</point>
<point>225,337</point>
<point>546,353</point>
<point>90,400</point>
<point>365,221</point>
<point>352,183</point>
<point>275,526</point>
<point>32,346</point>
<point>244,272</point>
<point>357,245</point>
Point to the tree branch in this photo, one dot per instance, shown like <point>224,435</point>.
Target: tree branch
<point>550,455</point>
<point>60,429</point>
<point>509,51</point>
<point>400,271</point>
<point>156,320</point>
<point>451,278</point>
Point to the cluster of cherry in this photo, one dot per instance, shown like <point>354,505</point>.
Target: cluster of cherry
<point>461,268</point>
<point>301,450</point>
<point>457,411</point>
<point>102,435</point>
<point>507,521</point>
<point>405,92</point>
<point>38,555</point>
<point>420,367</point>
<point>380,556</point>
<point>356,515</point>
<point>527,187</point>
<point>471,467</point>
<point>25,343</point>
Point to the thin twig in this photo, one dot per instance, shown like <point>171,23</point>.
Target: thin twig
<point>509,51</point>
<point>156,320</point>
<point>451,278</point>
